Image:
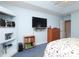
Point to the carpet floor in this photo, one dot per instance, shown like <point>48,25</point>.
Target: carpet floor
<point>37,51</point>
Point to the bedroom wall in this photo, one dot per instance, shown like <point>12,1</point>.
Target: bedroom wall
<point>74,24</point>
<point>61,28</point>
<point>24,23</point>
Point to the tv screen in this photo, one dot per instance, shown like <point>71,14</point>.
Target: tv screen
<point>39,22</point>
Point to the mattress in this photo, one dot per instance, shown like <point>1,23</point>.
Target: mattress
<point>66,47</point>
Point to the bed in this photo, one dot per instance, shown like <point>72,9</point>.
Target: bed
<point>66,47</point>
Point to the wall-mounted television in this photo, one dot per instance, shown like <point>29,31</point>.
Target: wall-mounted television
<point>39,22</point>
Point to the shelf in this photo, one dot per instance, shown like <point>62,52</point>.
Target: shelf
<point>29,41</point>
<point>6,11</point>
<point>6,41</point>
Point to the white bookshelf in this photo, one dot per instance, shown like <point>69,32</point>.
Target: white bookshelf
<point>5,41</point>
<point>10,50</point>
<point>6,11</point>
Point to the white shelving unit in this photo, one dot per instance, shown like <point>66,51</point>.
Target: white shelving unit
<point>5,41</point>
<point>10,50</point>
<point>6,11</point>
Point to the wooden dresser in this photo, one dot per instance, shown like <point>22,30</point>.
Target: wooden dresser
<point>53,34</point>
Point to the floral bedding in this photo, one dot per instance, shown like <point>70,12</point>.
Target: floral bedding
<point>66,47</point>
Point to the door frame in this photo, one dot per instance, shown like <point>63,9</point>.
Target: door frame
<point>65,26</point>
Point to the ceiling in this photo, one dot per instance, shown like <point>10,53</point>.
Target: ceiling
<point>62,3</point>
<point>50,7</point>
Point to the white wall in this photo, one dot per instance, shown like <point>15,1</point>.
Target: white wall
<point>61,28</point>
<point>24,23</point>
<point>75,24</point>
<point>67,17</point>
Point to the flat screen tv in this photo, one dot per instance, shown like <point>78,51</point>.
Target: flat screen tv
<point>39,22</point>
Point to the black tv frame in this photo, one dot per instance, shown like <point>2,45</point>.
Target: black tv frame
<point>38,22</point>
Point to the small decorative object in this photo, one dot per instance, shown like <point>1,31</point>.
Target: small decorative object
<point>49,26</point>
<point>2,23</point>
<point>20,47</point>
<point>9,24</point>
<point>6,23</point>
<point>13,24</point>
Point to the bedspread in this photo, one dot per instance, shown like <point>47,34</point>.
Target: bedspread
<point>66,47</point>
